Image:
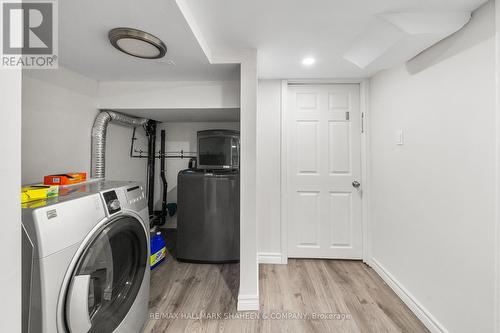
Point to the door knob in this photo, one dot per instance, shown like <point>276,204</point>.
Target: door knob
<point>356,184</point>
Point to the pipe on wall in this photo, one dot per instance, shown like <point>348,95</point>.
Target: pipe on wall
<point>99,137</point>
<point>163,216</point>
<point>151,133</point>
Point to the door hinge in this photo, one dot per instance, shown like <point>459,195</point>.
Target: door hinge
<point>362,122</point>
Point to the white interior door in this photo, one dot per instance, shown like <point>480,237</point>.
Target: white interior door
<point>323,138</point>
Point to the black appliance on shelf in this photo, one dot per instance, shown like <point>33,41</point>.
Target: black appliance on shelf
<point>208,199</point>
<point>218,149</point>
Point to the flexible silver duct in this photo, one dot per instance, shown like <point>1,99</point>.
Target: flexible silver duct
<point>99,137</point>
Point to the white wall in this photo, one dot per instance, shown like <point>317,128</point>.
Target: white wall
<point>119,164</point>
<point>248,296</point>
<point>432,199</point>
<point>57,117</point>
<point>269,171</point>
<point>10,178</point>
<point>168,95</point>
<point>180,136</point>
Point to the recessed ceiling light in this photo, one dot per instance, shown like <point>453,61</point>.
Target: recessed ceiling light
<point>308,61</point>
<point>137,43</point>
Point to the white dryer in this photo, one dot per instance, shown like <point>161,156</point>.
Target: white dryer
<point>86,260</point>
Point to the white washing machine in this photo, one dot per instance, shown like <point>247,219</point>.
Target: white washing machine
<point>86,260</point>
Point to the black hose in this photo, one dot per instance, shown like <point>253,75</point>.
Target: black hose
<point>163,179</point>
<point>151,132</point>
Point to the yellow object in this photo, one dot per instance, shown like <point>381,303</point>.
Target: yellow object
<point>156,257</point>
<point>34,204</point>
<point>37,192</point>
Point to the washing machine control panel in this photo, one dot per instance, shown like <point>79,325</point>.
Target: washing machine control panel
<point>136,198</point>
<point>112,202</point>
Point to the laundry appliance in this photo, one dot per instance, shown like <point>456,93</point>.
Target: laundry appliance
<point>208,217</point>
<point>85,260</point>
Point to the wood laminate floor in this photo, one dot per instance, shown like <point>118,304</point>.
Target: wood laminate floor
<point>314,296</point>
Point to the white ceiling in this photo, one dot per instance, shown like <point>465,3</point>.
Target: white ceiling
<point>286,31</point>
<point>283,32</point>
<point>84,46</point>
<point>186,115</point>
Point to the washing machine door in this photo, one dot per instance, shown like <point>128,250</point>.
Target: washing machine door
<point>107,277</point>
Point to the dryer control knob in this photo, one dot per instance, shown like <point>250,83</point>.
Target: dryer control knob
<point>114,204</point>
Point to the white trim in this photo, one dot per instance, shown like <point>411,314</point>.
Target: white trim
<point>365,170</point>
<point>415,306</point>
<point>248,303</point>
<point>497,168</point>
<point>283,189</point>
<point>271,258</point>
<point>364,95</point>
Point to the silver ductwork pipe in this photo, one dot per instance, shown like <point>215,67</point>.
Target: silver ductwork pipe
<point>99,137</point>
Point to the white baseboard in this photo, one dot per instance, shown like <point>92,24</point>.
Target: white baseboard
<point>248,303</point>
<point>418,309</point>
<point>271,258</point>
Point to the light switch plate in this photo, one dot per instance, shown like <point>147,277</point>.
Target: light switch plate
<point>400,140</point>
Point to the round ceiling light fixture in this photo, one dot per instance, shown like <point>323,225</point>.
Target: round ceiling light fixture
<point>137,43</point>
